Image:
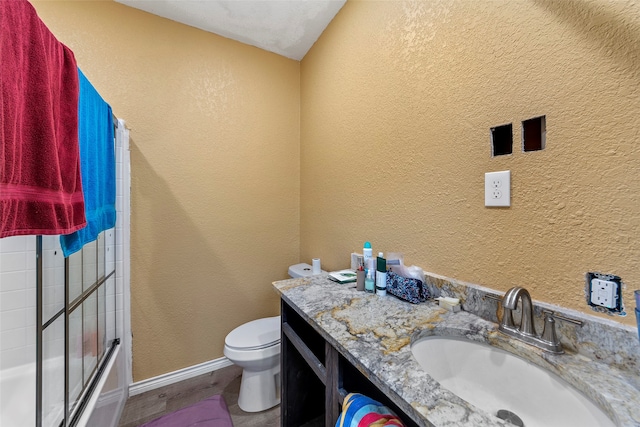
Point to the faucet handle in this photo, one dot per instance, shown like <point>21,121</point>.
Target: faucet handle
<point>549,332</point>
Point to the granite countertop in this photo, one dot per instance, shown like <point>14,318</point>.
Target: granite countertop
<point>374,334</point>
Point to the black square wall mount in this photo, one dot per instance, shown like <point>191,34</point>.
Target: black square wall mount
<point>502,140</point>
<point>534,134</point>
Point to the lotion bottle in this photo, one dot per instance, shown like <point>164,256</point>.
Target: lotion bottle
<point>381,276</point>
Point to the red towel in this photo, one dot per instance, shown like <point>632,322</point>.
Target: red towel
<point>40,185</point>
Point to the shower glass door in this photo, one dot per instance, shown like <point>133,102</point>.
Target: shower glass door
<point>78,324</point>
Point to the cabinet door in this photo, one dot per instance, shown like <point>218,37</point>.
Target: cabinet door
<point>302,401</point>
<point>333,383</point>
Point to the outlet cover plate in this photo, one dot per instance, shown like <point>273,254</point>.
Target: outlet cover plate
<point>604,293</point>
<point>497,189</point>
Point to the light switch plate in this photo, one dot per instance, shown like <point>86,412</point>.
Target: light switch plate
<point>497,189</point>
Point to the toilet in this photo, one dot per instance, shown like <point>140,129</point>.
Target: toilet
<point>255,346</point>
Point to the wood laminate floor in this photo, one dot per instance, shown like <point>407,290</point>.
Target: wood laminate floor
<point>155,403</point>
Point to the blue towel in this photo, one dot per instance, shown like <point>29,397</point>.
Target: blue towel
<point>97,165</point>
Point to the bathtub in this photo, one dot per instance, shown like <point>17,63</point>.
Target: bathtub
<point>18,394</point>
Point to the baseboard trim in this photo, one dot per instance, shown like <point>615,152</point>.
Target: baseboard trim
<point>179,375</point>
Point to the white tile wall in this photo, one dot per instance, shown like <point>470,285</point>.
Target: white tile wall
<point>52,277</point>
<point>17,301</point>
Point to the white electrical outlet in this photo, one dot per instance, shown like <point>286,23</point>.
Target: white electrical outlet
<point>497,188</point>
<point>604,293</point>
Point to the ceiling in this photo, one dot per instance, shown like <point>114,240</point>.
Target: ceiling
<point>286,27</point>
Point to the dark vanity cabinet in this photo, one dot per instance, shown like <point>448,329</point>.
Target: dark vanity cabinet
<point>316,377</point>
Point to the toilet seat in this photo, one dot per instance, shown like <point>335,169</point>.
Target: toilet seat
<point>255,335</point>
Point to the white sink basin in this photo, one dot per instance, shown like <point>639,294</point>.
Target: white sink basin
<point>493,379</point>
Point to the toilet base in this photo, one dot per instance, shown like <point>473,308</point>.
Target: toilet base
<point>259,390</point>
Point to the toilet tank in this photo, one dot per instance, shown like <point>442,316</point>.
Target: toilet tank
<point>300,270</point>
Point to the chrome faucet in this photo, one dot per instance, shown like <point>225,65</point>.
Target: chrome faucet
<point>526,332</point>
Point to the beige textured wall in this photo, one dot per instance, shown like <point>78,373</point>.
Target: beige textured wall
<point>215,173</point>
<point>397,101</point>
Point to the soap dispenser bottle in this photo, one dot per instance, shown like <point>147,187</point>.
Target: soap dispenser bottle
<point>369,281</point>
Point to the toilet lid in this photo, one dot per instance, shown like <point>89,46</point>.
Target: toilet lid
<point>256,334</point>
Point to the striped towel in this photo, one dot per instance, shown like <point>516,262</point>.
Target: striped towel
<point>361,411</point>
